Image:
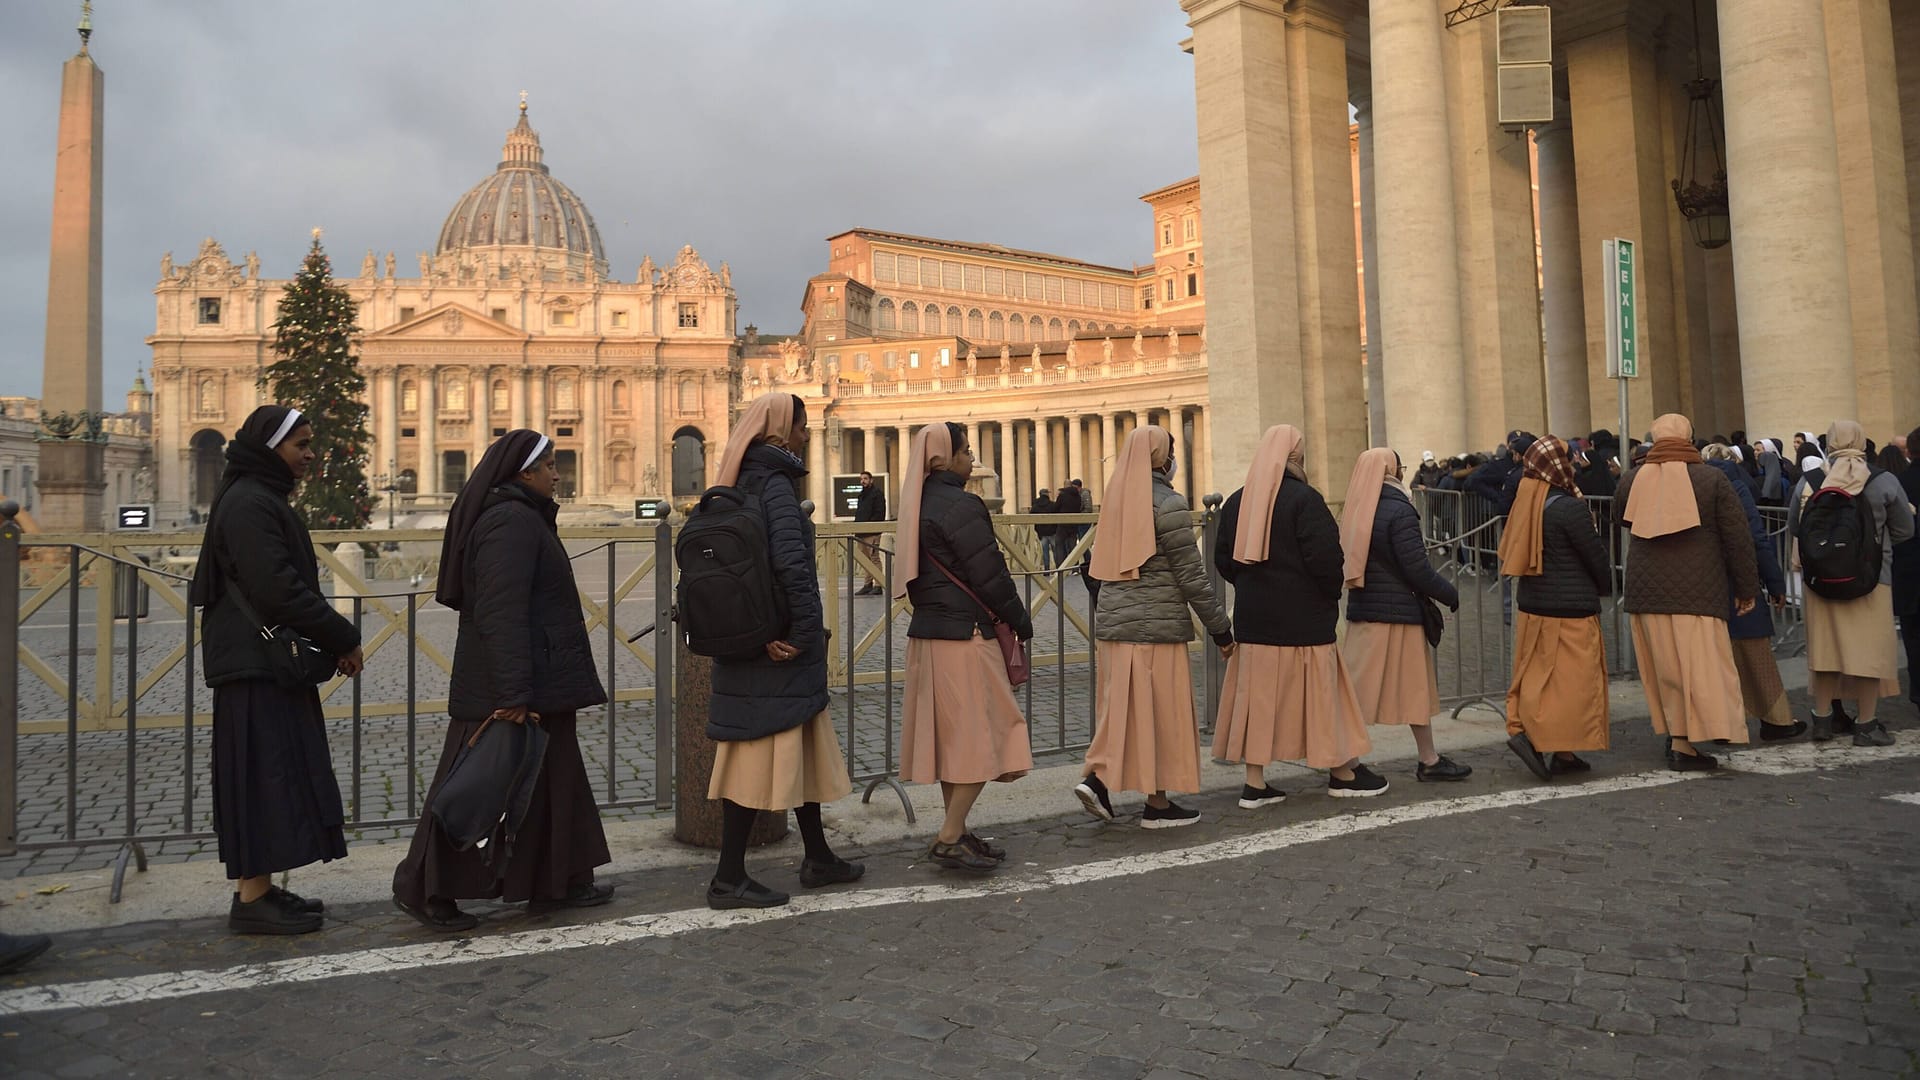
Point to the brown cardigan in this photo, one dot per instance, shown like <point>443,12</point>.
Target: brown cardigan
<point>1688,573</point>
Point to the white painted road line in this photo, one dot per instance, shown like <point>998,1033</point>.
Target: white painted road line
<point>162,986</point>
<point>1906,797</point>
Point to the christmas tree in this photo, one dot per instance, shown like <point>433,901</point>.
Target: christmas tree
<point>315,371</point>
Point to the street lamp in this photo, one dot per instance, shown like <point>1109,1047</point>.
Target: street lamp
<point>1700,192</point>
<point>390,484</point>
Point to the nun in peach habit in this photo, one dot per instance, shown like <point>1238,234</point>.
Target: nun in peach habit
<point>1287,694</point>
<point>1152,573</point>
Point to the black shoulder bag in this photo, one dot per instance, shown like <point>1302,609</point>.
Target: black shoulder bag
<point>294,661</point>
<point>1432,620</point>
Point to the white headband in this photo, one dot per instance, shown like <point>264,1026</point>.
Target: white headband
<point>538,449</point>
<point>286,428</point>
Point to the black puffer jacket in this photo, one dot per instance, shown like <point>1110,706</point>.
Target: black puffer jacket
<point>1294,597</point>
<point>757,697</point>
<point>1574,574</point>
<point>262,548</point>
<point>522,640</point>
<point>956,529</point>
<point>1396,556</point>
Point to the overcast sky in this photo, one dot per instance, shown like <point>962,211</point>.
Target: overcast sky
<point>751,129</point>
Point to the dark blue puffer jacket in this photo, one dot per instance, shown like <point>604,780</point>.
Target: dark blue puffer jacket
<point>1396,556</point>
<point>758,697</point>
<point>1757,623</point>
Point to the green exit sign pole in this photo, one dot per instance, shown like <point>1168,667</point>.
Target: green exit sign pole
<point>1623,322</point>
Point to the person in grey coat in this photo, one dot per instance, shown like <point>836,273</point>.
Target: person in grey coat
<point>1145,736</point>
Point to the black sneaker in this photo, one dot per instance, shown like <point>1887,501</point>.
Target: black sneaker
<point>16,951</point>
<point>1874,734</point>
<point>1170,816</point>
<point>1694,762</point>
<point>269,915</point>
<point>588,894</point>
<point>1782,732</point>
<point>838,872</point>
<point>1522,748</point>
<point>442,915</point>
<point>1562,765</point>
<point>1365,784</point>
<point>1093,795</point>
<point>1444,769</point>
<point>1253,798</point>
<point>747,894</point>
<point>300,903</point>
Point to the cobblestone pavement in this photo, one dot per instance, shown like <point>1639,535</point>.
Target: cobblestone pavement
<point>1755,922</point>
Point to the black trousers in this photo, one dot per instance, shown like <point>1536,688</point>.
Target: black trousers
<point>1910,635</point>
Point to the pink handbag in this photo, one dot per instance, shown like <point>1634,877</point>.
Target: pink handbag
<point>1013,651</point>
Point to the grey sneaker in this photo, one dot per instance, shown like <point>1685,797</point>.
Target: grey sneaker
<point>1874,734</point>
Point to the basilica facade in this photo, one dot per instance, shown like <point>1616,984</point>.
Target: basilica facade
<point>513,320</point>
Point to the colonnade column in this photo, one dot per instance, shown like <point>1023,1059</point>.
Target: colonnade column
<point>591,384</point>
<point>1569,401</point>
<point>1042,455</point>
<point>1419,278</point>
<point>479,403</point>
<point>1790,265</point>
<point>819,484</point>
<point>1109,455</point>
<point>537,408</point>
<point>1370,267</point>
<point>1203,450</point>
<point>387,403</point>
<point>429,433</point>
<point>1076,447</point>
<point>517,386</point>
<point>1023,487</point>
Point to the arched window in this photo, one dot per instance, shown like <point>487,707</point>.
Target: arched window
<point>933,319</point>
<point>501,400</point>
<point>456,395</point>
<point>953,321</point>
<point>1017,328</point>
<point>996,327</point>
<point>976,325</point>
<point>563,399</point>
<point>621,403</point>
<point>1054,330</point>
<point>910,316</point>
<point>409,397</point>
<point>886,314</point>
<point>689,395</point>
<point>1073,327</point>
<point>209,397</point>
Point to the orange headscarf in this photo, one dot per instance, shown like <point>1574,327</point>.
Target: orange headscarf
<point>932,449</point>
<point>1370,474</point>
<point>769,418</point>
<point>1661,500</point>
<point>1124,539</point>
<point>1279,449</point>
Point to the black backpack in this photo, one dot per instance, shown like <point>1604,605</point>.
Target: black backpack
<point>1840,554</point>
<point>727,603</point>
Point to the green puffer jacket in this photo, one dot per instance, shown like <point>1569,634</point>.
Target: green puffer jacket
<point>1153,609</point>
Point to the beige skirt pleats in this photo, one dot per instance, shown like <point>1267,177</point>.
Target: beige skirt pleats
<point>1559,692</point>
<point>1289,703</point>
<point>799,765</point>
<point>1855,638</point>
<point>1761,692</point>
<point>1392,671</point>
<point>963,724</point>
<point>1145,736</point>
<point>1686,665</point>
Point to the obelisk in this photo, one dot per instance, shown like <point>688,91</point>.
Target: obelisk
<point>72,478</point>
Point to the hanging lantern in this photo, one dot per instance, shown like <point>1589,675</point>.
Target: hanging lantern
<point>1701,190</point>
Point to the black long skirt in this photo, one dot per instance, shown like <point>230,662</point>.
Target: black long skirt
<point>276,804</point>
<point>559,844</point>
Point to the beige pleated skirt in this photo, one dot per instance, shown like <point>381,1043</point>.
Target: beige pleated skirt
<point>1761,692</point>
<point>1145,736</point>
<point>1559,692</point>
<point>799,765</point>
<point>1855,638</point>
<point>963,724</point>
<point>1686,665</point>
<point>1392,671</point>
<point>1289,703</point>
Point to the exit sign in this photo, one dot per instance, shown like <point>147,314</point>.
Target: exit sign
<point>1623,323</point>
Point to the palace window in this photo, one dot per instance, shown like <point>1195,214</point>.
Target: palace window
<point>621,399</point>
<point>953,321</point>
<point>689,396</point>
<point>831,311</point>
<point>499,314</point>
<point>409,397</point>
<point>565,318</point>
<point>1166,234</point>
<point>563,399</point>
<point>406,313</point>
<point>933,319</point>
<point>1146,298</point>
<point>499,431</point>
<point>976,325</point>
<point>886,314</point>
<point>909,269</point>
<point>408,433</point>
<point>910,316</point>
<point>563,433</point>
<point>996,327</point>
<point>689,316</point>
<point>618,320</point>
<point>456,395</point>
<point>883,266</point>
<point>209,311</point>
<point>950,276</point>
<point>930,273</point>
<point>1055,331</point>
<point>976,278</point>
<point>1017,328</point>
<point>500,400</point>
<point>1169,290</point>
<point>1190,227</point>
<point>890,359</point>
<point>1193,285</point>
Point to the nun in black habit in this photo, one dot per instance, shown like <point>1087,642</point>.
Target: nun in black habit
<point>522,656</point>
<point>276,805</point>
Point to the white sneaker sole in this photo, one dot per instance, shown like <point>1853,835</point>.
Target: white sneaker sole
<point>1091,802</point>
<point>1168,823</point>
<point>1356,793</point>
<point>1255,804</point>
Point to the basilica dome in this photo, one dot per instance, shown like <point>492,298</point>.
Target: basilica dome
<point>521,216</point>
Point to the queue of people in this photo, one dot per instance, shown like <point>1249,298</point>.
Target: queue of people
<point>1699,577</point>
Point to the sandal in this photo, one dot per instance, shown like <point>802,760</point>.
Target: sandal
<point>981,847</point>
<point>959,857</point>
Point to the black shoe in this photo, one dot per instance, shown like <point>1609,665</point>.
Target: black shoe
<point>1365,784</point>
<point>1782,732</point>
<point>1822,727</point>
<point>1253,798</point>
<point>1522,748</point>
<point>590,894</point>
<point>1444,769</point>
<point>1560,766</point>
<point>442,915</point>
<point>838,872</point>
<point>299,903</point>
<point>960,857</point>
<point>981,847</point>
<point>1093,795</point>
<point>269,915</point>
<point>1170,816</point>
<point>1842,723</point>
<point>1694,762</point>
<point>1873,734</point>
<point>747,894</point>
<point>18,951</point>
